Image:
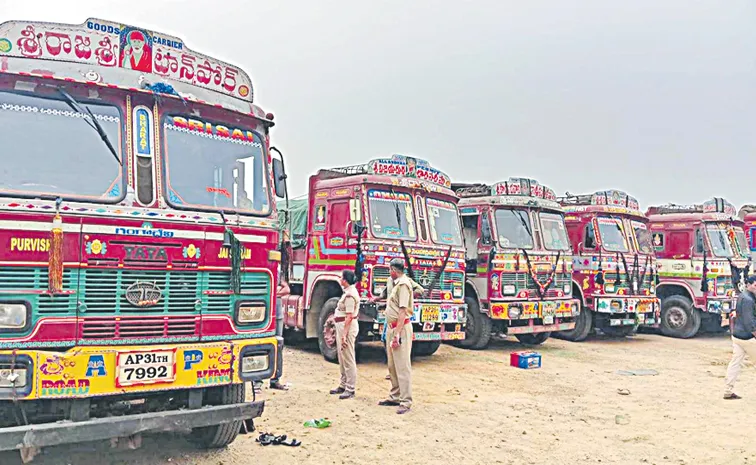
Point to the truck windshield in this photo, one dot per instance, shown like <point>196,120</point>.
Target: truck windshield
<point>612,235</point>
<point>514,228</point>
<point>49,149</point>
<point>554,232</point>
<point>720,243</point>
<point>216,168</point>
<point>642,237</point>
<point>391,215</point>
<point>443,220</point>
<point>742,243</point>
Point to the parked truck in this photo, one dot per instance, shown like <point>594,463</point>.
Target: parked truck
<point>614,268</point>
<point>138,261</point>
<point>359,218</point>
<point>747,213</point>
<point>518,259</point>
<point>703,260</point>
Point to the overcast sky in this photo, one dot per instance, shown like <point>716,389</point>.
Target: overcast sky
<point>656,97</point>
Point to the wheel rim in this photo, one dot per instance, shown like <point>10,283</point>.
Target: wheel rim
<point>329,331</point>
<point>676,317</point>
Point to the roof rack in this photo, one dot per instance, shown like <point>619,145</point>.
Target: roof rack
<point>464,190</point>
<point>715,205</point>
<point>351,170</point>
<point>607,198</point>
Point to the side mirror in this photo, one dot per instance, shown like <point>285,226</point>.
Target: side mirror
<point>355,212</point>
<point>279,178</point>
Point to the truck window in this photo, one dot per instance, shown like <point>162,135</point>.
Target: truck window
<point>391,215</point>
<point>590,236</point>
<point>50,149</point>
<point>642,237</point>
<point>470,230</point>
<point>554,231</point>
<point>699,242</point>
<point>339,217</point>
<point>612,235</point>
<point>742,243</point>
<point>720,242</point>
<point>514,228</point>
<point>421,219</point>
<point>443,220</point>
<point>319,217</point>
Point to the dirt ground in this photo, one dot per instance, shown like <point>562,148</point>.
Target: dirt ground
<point>472,407</point>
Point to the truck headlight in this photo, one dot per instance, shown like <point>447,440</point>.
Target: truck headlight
<point>567,289</point>
<point>12,316</point>
<point>508,289</point>
<point>609,288</point>
<point>514,312</point>
<point>461,316</point>
<point>11,378</point>
<point>255,363</point>
<point>720,290</point>
<point>251,312</point>
<point>725,305</point>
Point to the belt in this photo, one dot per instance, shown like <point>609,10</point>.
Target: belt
<point>340,319</point>
<point>393,325</point>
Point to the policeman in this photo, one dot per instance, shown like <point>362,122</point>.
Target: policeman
<point>347,327</point>
<point>399,310</point>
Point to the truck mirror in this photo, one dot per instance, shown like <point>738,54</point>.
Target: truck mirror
<point>279,178</point>
<point>355,212</point>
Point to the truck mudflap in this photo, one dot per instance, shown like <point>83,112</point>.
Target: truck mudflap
<point>67,432</point>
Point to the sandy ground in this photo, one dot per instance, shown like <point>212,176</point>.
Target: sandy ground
<point>472,407</point>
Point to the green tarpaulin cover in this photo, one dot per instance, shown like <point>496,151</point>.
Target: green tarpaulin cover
<point>297,218</point>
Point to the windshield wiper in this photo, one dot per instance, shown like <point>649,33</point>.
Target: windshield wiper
<point>91,121</point>
<point>525,224</point>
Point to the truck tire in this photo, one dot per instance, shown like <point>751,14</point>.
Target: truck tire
<point>533,339</point>
<point>478,327</point>
<point>679,318</point>
<point>327,331</point>
<point>425,349</point>
<point>218,436</point>
<point>583,326</point>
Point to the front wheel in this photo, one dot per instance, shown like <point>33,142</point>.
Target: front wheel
<point>425,349</point>
<point>327,330</point>
<point>478,327</point>
<point>583,326</point>
<point>679,318</point>
<point>218,436</point>
<point>533,339</point>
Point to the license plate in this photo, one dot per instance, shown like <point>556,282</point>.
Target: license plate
<point>428,326</point>
<point>431,313</point>
<point>145,367</point>
<point>548,320</point>
<point>548,309</point>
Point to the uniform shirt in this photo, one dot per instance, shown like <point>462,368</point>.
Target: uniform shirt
<point>349,303</point>
<point>400,297</point>
<point>416,288</point>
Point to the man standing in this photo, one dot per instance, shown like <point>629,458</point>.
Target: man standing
<point>347,327</point>
<point>399,310</point>
<point>417,291</point>
<point>743,329</point>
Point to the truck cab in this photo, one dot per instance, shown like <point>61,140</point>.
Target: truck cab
<point>361,217</point>
<point>519,263</point>
<point>614,264</point>
<point>703,260</point>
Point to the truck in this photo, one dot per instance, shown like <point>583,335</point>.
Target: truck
<point>518,261</point>
<point>139,249</point>
<point>703,261</point>
<point>614,267</point>
<point>360,218</point>
<point>747,213</point>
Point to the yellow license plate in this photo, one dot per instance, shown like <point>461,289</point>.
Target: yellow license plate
<point>431,313</point>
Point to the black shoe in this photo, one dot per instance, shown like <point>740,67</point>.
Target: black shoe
<point>732,396</point>
<point>338,390</point>
<point>346,395</point>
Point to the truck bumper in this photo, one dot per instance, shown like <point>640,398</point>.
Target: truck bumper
<point>528,317</point>
<point>52,434</point>
<point>91,371</point>
<point>628,311</point>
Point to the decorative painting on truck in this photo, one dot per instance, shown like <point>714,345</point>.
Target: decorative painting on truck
<point>409,167</point>
<point>107,44</point>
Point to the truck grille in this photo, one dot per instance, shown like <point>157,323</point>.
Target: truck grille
<point>522,280</point>
<point>446,283</point>
<point>140,327</point>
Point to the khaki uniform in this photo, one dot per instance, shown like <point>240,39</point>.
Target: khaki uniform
<point>399,364</point>
<point>349,303</point>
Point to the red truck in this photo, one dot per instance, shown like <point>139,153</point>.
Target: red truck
<point>360,217</point>
<point>519,263</point>
<point>614,268</point>
<point>703,259</point>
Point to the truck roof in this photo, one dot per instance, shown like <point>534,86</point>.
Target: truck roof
<point>112,54</point>
<point>611,201</point>
<point>517,192</point>
<point>397,171</point>
<point>715,209</point>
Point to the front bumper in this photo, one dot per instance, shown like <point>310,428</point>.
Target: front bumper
<point>527,317</point>
<point>90,371</point>
<point>433,321</point>
<point>629,311</point>
<point>723,306</point>
<point>53,434</point>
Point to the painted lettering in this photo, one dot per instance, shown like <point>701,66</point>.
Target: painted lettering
<point>191,358</point>
<point>29,244</point>
<point>142,252</point>
<point>96,366</point>
<point>246,253</point>
<point>71,387</point>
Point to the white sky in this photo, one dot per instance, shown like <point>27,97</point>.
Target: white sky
<point>654,97</point>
